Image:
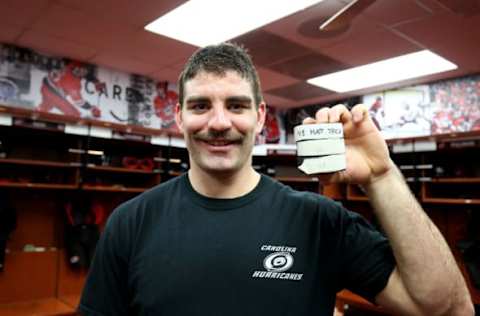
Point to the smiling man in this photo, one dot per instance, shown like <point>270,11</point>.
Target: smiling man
<point>217,123</point>
<point>220,121</point>
<point>225,240</point>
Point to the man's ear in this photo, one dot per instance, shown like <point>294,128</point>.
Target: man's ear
<point>261,113</point>
<point>178,116</point>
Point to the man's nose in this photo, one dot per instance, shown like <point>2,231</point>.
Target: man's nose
<point>220,119</point>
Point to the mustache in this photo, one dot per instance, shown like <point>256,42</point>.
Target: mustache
<point>218,135</point>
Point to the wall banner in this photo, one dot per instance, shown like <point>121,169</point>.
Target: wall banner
<point>62,86</point>
<point>442,107</point>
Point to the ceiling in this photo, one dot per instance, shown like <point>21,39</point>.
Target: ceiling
<point>286,52</point>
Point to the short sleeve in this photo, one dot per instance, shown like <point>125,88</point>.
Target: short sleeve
<point>365,256</point>
<point>106,292</point>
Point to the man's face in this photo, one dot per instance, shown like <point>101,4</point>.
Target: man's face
<point>219,121</point>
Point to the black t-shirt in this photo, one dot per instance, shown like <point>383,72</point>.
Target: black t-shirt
<point>273,251</point>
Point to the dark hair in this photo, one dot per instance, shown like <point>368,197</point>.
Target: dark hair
<point>218,59</point>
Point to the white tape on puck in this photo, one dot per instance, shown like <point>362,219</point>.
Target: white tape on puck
<point>325,164</point>
<point>321,147</point>
<point>318,131</point>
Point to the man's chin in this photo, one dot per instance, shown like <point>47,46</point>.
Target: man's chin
<point>219,168</point>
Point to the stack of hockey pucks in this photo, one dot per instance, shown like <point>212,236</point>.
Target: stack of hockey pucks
<point>320,147</point>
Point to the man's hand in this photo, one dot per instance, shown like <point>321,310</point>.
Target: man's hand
<point>426,280</point>
<point>366,151</point>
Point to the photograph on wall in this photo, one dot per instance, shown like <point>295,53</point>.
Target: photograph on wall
<point>42,83</point>
<point>457,105</point>
<point>448,106</point>
<point>400,113</point>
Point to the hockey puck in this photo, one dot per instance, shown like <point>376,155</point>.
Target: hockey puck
<point>320,148</point>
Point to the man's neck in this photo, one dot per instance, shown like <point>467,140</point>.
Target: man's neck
<point>223,185</point>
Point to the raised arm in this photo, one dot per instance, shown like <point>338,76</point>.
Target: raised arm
<point>426,280</point>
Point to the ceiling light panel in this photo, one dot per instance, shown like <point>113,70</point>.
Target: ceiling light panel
<point>205,22</point>
<point>390,70</point>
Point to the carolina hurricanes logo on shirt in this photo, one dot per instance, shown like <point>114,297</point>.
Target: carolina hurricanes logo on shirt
<point>277,263</point>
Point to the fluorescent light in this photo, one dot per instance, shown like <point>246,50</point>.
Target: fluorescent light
<point>390,70</point>
<point>204,22</point>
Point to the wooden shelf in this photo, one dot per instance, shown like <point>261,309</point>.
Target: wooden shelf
<point>42,307</point>
<point>70,300</point>
<point>42,163</point>
<point>357,198</point>
<point>297,179</point>
<point>354,195</point>
<point>334,191</point>
<point>62,119</point>
<point>456,180</point>
<point>450,201</point>
<point>112,188</point>
<point>49,186</point>
<point>120,169</point>
<point>28,286</point>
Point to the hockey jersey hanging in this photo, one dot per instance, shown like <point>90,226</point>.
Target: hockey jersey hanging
<point>82,231</point>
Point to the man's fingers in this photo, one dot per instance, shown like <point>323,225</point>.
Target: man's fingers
<point>339,113</point>
<point>359,112</point>
<point>322,115</point>
<point>309,120</point>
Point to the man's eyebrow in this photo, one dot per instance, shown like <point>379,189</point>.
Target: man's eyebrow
<point>240,98</point>
<point>197,99</point>
<point>237,98</point>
